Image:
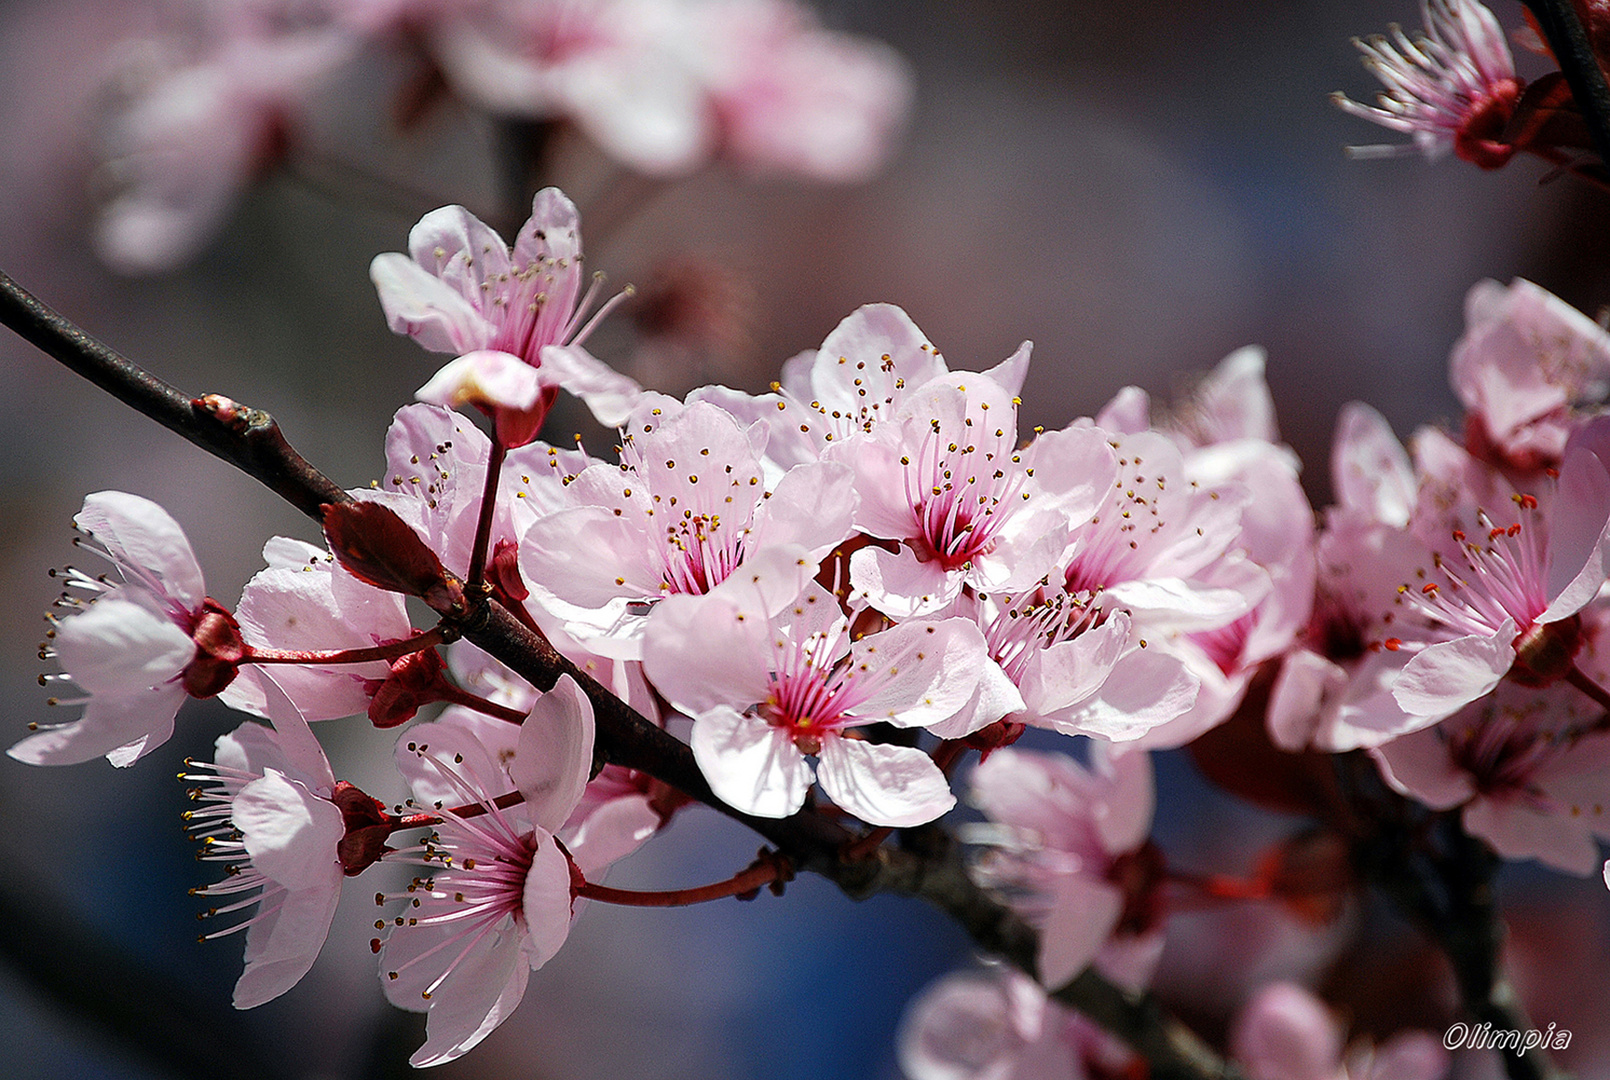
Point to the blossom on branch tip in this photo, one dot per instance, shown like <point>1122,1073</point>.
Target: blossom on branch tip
<point>1452,88</point>
<point>138,646</point>
<point>462,290</point>
<point>1067,846</point>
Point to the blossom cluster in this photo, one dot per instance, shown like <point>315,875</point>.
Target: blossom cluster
<point>231,88</point>
<point>837,588</point>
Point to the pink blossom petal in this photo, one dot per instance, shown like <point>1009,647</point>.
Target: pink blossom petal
<point>901,585</point>
<point>1445,676</point>
<point>610,395</point>
<point>883,784</point>
<point>929,670</point>
<point>611,832</point>
<point>1083,915</point>
<point>282,944</point>
<point>146,543</point>
<point>462,251</point>
<point>704,653</point>
<point>1305,680</point>
<point>1147,687</point>
<point>1129,412</point>
<point>546,902</point>
<point>290,833</point>
<point>1010,373</point>
<point>480,994</point>
<point>122,728</point>
<point>426,308</point>
<point>751,765</point>
<point>812,505</point>
<point>1579,528</point>
<point>1285,1033</point>
<point>1124,818</point>
<point>1519,831</point>
<point>1067,673</point>
<point>1418,765</point>
<point>122,644</point>
<point>487,379</point>
<point>555,754</point>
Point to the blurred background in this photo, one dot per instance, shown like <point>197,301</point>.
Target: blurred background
<point>1138,189</point>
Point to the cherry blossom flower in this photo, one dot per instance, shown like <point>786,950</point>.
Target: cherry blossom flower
<point>1226,433</point>
<point>1529,766</point>
<point>1505,592</point>
<point>1067,846</point>
<point>1077,669</point>
<point>1285,1033</point>
<point>620,809</point>
<point>498,902</point>
<point>945,479</point>
<point>665,85</point>
<point>136,647</point>
<point>1453,88</point>
<point>305,600</point>
<point>787,95</point>
<point>1525,361</point>
<point>684,511</point>
<point>860,377</point>
<point>462,290</point>
<point>266,809</point>
<point>766,691</point>
<point>1334,688</point>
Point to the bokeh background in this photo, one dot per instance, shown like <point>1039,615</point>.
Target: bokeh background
<point>1139,189</point>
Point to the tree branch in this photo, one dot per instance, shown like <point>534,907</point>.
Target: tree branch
<point>250,440</point>
<point>1568,41</point>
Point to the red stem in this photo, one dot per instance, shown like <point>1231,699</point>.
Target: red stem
<point>475,809</point>
<point>455,695</point>
<point>483,525</point>
<point>749,880</point>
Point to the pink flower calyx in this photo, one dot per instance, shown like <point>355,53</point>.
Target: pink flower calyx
<point>1452,88</point>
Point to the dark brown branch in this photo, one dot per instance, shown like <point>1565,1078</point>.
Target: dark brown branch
<point>249,440</point>
<point>246,438</point>
<point>1568,41</point>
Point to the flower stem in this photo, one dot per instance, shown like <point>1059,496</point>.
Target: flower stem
<point>456,695</point>
<point>390,651</point>
<point>424,819</point>
<point>773,871</point>
<point>483,525</point>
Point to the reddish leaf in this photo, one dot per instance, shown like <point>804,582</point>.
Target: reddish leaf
<point>377,546</point>
<point>1546,116</point>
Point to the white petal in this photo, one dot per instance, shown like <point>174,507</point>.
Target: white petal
<point>122,727</point>
<point>751,766</point>
<point>883,784</point>
<point>145,540</point>
<point>1082,917</point>
<point>1450,674</point>
<point>282,945</point>
<point>555,754</point>
<point>546,902</point>
<point>290,833</point>
<point>122,644</point>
